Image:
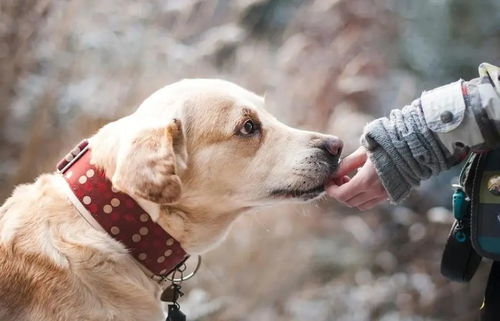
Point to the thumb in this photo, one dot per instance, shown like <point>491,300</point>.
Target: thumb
<point>352,162</point>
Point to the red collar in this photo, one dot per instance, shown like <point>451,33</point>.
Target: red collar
<point>119,215</point>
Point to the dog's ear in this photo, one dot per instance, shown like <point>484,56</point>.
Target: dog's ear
<point>146,165</point>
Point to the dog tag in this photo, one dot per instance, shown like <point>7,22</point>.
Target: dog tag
<point>171,294</point>
<point>175,314</point>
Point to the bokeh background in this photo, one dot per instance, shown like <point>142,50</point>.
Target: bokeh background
<point>68,67</point>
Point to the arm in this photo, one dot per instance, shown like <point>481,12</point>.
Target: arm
<point>432,134</point>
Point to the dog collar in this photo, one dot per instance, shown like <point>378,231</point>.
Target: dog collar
<point>118,214</point>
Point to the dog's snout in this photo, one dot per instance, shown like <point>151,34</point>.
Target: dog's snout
<point>333,145</point>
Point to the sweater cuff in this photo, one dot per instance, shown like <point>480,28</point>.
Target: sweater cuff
<point>392,180</point>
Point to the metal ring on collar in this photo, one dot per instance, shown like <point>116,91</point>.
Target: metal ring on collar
<point>172,277</point>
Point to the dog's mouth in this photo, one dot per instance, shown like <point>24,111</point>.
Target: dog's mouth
<point>322,173</point>
<point>306,194</point>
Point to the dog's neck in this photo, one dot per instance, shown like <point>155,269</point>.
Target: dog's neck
<point>195,234</point>
<point>188,226</point>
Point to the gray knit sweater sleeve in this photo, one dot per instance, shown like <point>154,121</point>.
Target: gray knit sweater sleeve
<point>404,150</point>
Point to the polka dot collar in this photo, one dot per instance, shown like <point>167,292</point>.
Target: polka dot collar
<point>118,214</point>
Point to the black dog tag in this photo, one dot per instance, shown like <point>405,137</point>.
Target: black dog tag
<point>175,314</point>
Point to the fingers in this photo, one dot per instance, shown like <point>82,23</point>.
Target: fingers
<point>364,200</point>
<point>364,190</point>
<point>342,193</point>
<point>352,162</point>
<point>372,203</point>
<point>341,180</point>
<point>361,198</point>
<point>354,187</point>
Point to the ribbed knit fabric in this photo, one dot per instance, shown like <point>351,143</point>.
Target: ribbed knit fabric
<point>404,150</point>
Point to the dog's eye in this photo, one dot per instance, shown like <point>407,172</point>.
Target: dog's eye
<point>248,128</point>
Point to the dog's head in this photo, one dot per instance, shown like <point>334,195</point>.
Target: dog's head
<point>212,143</point>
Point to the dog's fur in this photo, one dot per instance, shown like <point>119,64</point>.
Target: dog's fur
<point>184,158</point>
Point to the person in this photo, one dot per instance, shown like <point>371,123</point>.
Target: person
<point>432,134</point>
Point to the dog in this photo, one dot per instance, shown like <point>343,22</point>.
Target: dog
<point>194,156</point>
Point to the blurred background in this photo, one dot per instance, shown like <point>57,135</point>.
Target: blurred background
<point>68,67</point>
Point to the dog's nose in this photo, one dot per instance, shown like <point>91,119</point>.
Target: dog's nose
<point>333,145</point>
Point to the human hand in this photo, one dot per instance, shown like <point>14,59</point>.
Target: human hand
<point>364,190</point>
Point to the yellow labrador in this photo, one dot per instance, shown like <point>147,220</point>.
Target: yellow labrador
<point>194,156</point>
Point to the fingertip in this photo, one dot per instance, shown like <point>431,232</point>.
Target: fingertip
<point>331,190</point>
<point>338,181</point>
<point>352,162</point>
<point>341,180</point>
